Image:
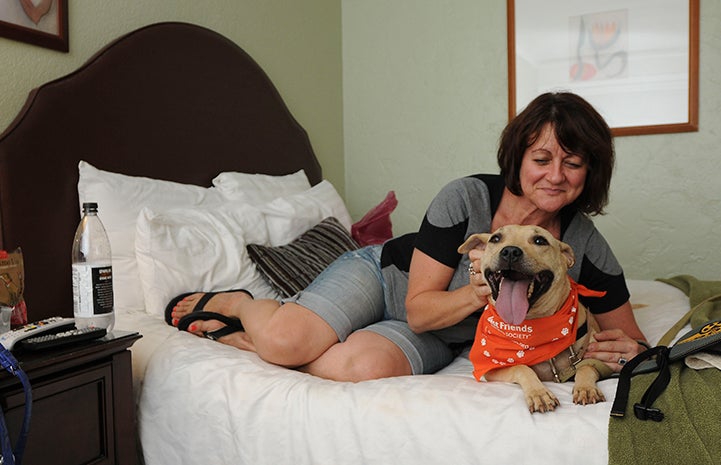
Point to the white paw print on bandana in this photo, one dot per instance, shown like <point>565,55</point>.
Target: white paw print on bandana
<point>483,341</point>
<point>565,331</point>
<point>520,354</point>
<point>486,353</point>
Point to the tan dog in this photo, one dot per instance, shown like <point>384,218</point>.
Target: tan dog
<point>532,317</point>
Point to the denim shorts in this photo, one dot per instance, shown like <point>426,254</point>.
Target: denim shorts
<point>350,295</point>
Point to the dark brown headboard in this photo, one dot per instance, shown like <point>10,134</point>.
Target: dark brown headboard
<point>169,101</point>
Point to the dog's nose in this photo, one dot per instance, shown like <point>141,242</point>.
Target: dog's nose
<point>511,254</point>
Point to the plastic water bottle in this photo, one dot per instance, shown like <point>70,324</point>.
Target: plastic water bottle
<point>93,304</point>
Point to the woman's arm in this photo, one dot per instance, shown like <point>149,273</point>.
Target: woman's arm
<point>430,305</point>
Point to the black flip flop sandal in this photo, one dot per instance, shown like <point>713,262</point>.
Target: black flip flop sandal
<point>232,325</point>
<point>199,307</point>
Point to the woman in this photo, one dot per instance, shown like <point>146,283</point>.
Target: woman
<point>407,307</point>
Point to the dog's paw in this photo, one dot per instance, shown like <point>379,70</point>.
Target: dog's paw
<point>584,395</point>
<point>541,400</point>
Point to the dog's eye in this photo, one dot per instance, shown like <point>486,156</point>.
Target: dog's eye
<point>495,238</point>
<point>540,240</point>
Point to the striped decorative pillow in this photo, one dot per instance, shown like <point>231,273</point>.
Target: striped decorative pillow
<point>290,268</point>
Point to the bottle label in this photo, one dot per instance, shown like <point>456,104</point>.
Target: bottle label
<point>92,289</point>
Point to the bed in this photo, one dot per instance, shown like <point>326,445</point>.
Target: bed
<point>192,155</point>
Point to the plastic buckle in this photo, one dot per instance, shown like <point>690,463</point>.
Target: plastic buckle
<point>574,359</point>
<point>647,413</point>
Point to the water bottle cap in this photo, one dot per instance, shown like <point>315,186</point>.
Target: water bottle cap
<point>90,207</point>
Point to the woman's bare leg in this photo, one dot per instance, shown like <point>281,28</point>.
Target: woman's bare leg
<point>363,356</point>
<point>288,335</point>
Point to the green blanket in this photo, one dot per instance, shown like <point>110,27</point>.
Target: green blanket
<point>702,308</point>
<point>691,429</point>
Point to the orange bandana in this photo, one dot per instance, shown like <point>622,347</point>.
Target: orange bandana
<point>498,344</point>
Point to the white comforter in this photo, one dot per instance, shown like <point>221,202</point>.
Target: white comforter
<point>201,402</point>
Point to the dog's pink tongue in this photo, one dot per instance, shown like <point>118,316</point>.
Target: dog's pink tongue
<point>512,301</point>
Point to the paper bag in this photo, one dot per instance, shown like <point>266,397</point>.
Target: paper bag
<point>12,284</point>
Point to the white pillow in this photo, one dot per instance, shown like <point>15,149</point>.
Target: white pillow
<point>198,249</point>
<point>288,217</point>
<point>187,250</point>
<point>260,188</point>
<point>120,198</point>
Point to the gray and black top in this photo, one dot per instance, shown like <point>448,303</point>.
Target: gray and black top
<point>466,206</point>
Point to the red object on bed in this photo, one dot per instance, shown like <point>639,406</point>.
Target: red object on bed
<point>376,227</point>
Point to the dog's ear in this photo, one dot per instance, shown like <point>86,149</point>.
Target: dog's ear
<point>567,252</point>
<point>475,241</point>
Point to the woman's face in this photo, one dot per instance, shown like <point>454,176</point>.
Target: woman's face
<point>550,177</point>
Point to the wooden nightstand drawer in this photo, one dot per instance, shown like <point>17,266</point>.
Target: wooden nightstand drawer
<point>70,417</point>
<point>83,406</point>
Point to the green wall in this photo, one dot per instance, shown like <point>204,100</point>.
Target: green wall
<point>425,98</point>
<point>406,95</point>
<point>298,43</point>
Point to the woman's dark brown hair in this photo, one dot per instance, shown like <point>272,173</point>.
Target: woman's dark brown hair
<point>580,130</point>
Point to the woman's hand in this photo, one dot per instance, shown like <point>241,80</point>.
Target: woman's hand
<point>481,290</point>
<point>617,342</point>
<point>614,348</point>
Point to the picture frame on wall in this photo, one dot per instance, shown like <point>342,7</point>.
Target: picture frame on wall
<point>635,61</point>
<point>39,22</point>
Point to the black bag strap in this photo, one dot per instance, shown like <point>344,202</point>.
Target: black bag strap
<point>643,410</point>
<point>706,337</point>
<point>10,456</point>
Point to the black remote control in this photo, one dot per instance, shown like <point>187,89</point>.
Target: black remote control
<point>71,336</point>
<point>49,325</point>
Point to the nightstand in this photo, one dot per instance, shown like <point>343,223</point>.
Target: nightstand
<point>83,405</point>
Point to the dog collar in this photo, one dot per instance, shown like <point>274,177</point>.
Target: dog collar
<point>498,344</point>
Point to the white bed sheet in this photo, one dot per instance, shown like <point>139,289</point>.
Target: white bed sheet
<point>154,331</point>
<point>201,402</point>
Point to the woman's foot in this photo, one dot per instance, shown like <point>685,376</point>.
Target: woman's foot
<point>237,339</point>
<point>222,303</point>
<point>225,303</point>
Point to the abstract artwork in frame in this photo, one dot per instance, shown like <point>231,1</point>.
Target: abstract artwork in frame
<point>38,22</point>
<point>635,61</point>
